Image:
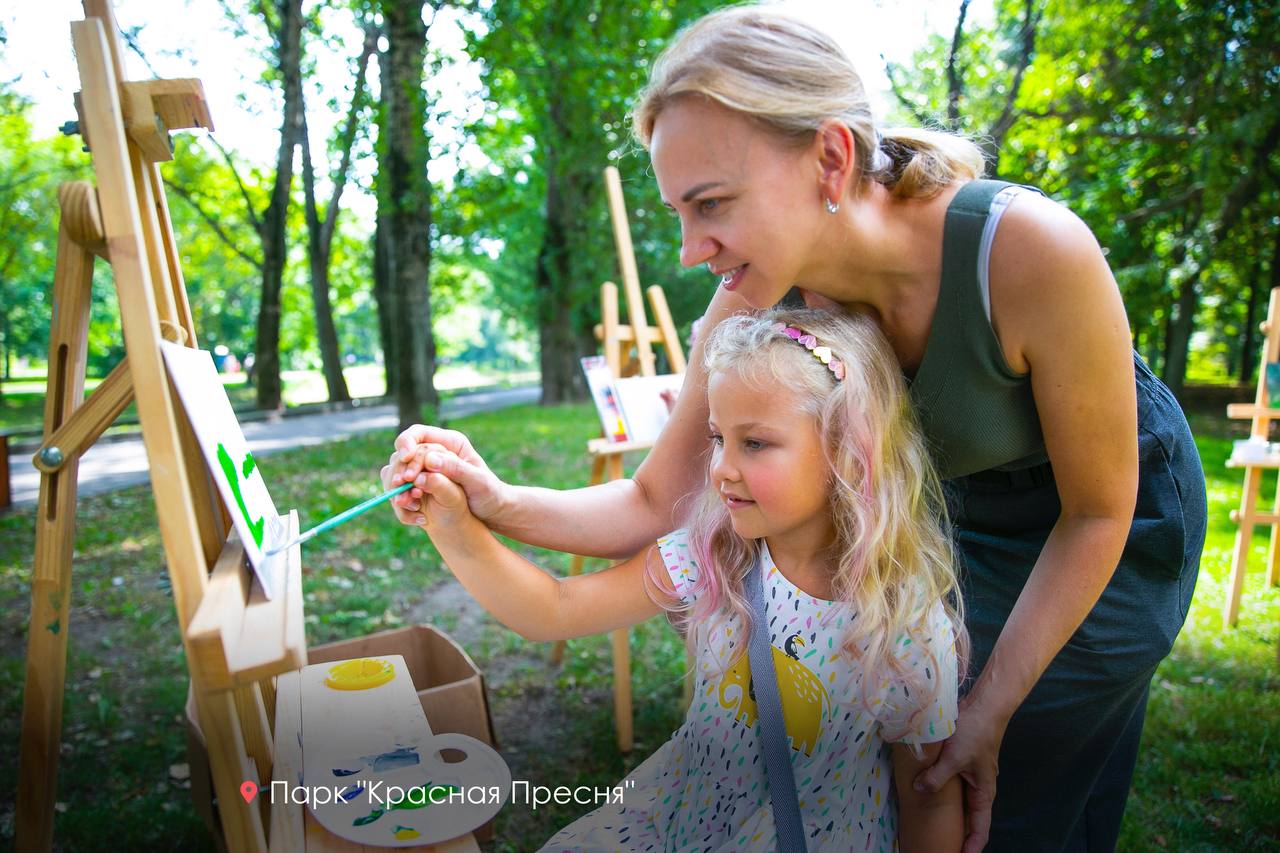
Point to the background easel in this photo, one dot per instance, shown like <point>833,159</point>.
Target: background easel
<point>236,642</point>
<point>1262,413</point>
<point>628,350</point>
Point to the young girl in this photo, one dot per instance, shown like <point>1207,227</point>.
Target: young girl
<point>819,480</point>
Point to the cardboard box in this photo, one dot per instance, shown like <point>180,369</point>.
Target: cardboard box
<point>450,686</point>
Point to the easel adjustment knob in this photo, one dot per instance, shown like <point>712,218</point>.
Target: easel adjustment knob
<point>51,456</point>
<point>1235,515</point>
<point>172,332</point>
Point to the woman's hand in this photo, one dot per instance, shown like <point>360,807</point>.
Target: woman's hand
<point>973,753</point>
<point>452,455</point>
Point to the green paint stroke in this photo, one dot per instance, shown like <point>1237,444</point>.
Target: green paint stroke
<point>54,627</point>
<point>367,819</point>
<point>229,471</point>
<point>410,802</point>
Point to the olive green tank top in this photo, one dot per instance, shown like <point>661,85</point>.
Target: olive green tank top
<point>975,411</point>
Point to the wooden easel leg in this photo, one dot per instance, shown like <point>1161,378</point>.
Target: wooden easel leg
<point>1244,535</point>
<point>575,565</point>
<point>230,766</point>
<point>621,643</point>
<point>55,536</point>
<point>1273,552</point>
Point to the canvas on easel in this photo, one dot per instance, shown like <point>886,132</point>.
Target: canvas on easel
<point>234,469</point>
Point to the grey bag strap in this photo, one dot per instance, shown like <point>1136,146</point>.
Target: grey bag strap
<point>773,733</point>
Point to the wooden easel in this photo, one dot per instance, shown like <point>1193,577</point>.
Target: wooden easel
<point>628,350</point>
<point>236,642</point>
<point>1262,413</point>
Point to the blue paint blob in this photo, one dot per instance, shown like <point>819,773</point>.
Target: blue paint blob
<point>405,756</point>
<point>350,793</point>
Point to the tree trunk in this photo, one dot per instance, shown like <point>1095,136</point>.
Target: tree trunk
<point>557,338</point>
<point>382,297</point>
<point>1248,357</point>
<point>403,179</point>
<point>274,248</point>
<point>318,245</point>
<point>1180,329</point>
<point>320,234</point>
<point>7,359</point>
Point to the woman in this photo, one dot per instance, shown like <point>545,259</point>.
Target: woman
<point>1061,462</point>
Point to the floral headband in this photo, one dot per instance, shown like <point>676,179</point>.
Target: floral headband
<point>821,353</point>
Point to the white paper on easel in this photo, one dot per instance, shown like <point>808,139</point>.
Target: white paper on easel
<point>642,404</point>
<point>227,454</point>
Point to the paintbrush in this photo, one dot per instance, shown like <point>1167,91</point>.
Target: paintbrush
<point>340,518</point>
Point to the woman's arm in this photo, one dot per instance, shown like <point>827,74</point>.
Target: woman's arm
<point>526,599</point>
<point>612,520</point>
<point>1058,314</point>
<point>927,822</point>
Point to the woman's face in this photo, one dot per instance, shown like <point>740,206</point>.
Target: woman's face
<point>750,207</point>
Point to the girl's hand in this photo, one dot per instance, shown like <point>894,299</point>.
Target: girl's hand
<point>439,499</point>
<point>456,459</point>
<point>973,753</point>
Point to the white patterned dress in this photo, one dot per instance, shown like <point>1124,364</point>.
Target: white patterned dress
<point>705,789</point>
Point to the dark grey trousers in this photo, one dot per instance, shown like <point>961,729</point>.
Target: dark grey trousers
<point>1068,756</point>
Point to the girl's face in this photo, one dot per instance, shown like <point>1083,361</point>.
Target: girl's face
<point>767,462</point>
<point>750,208</point>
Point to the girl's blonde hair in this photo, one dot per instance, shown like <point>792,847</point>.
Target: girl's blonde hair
<point>892,559</point>
<point>790,77</point>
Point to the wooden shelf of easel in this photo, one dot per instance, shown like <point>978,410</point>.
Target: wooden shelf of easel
<point>239,636</point>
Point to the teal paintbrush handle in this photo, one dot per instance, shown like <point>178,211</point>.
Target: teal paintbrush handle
<point>342,517</point>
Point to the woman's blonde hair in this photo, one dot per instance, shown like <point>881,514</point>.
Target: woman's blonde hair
<point>790,77</point>
<point>892,558</point>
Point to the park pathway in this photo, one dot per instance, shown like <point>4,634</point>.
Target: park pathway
<point>111,465</point>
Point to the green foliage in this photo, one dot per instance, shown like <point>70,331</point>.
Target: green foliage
<point>31,170</point>
<point>1158,129</point>
<point>561,77</point>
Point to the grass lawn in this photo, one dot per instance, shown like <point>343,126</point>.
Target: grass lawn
<point>1206,778</point>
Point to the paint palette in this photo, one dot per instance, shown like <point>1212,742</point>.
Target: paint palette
<point>387,783</point>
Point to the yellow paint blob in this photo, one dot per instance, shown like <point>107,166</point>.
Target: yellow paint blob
<point>404,833</point>
<point>360,674</point>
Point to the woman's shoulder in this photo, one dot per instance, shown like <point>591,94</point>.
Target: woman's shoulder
<point>1045,267</point>
<point>1034,223</point>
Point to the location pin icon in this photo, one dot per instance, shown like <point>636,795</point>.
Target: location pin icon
<point>249,790</point>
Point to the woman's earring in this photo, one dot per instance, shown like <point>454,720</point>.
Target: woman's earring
<point>832,207</point>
